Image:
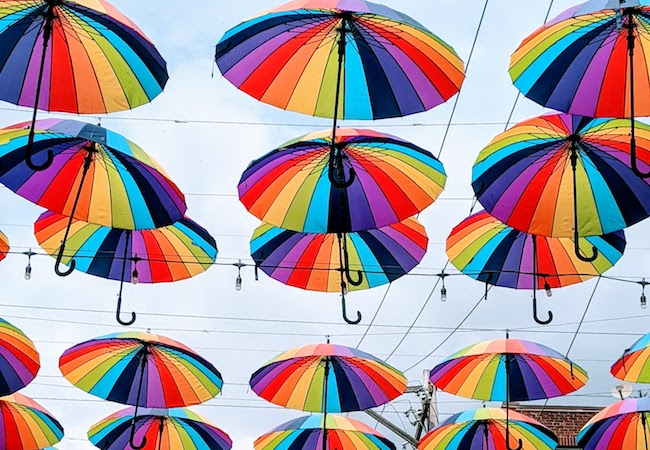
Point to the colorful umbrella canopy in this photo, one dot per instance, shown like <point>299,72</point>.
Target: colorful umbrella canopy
<point>634,365</point>
<point>579,62</point>
<point>564,176</point>
<point>485,429</point>
<point>164,429</point>
<point>310,55</point>
<point>141,369</point>
<point>486,249</point>
<point>324,262</point>
<point>96,60</point>
<point>19,359</point>
<point>622,425</point>
<point>331,432</point>
<point>508,370</point>
<point>327,378</point>
<point>98,176</point>
<point>295,186</point>
<point>4,246</point>
<point>584,62</point>
<point>166,254</point>
<point>26,425</point>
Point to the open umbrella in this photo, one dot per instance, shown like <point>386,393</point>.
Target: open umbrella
<point>634,365</point>
<point>75,56</point>
<point>141,369</point>
<point>19,359</point>
<point>324,262</point>
<point>26,425</point>
<point>327,378</point>
<point>4,246</point>
<point>331,432</point>
<point>486,249</point>
<point>164,429</point>
<point>300,187</point>
<point>172,253</point>
<point>584,62</point>
<point>484,429</point>
<point>341,59</point>
<point>564,176</point>
<point>98,176</point>
<point>508,370</point>
<point>623,425</point>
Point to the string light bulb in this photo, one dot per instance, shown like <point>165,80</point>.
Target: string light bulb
<point>443,289</point>
<point>134,276</point>
<point>238,280</point>
<point>547,289</point>
<point>643,284</point>
<point>28,268</point>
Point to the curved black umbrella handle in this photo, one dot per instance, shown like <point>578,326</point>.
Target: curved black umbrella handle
<point>346,264</point>
<point>29,153</point>
<point>132,438</point>
<point>579,253</point>
<point>118,312</point>
<point>59,257</point>
<point>520,443</point>
<point>344,309</point>
<point>536,317</point>
<point>338,183</point>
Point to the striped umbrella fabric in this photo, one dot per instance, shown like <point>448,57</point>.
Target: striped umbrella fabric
<point>113,367</point>
<point>524,176</point>
<point>353,380</point>
<point>536,372</point>
<point>485,429</point>
<point>172,253</point>
<point>125,188</point>
<point>634,365</point>
<point>307,433</point>
<point>312,261</point>
<point>164,429</point>
<point>4,246</point>
<point>290,187</point>
<point>486,249</point>
<point>97,60</point>
<point>19,359</point>
<point>391,65</point>
<point>26,425</point>
<point>579,63</point>
<point>622,425</point>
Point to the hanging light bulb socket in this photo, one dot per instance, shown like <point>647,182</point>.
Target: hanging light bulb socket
<point>547,289</point>
<point>443,289</point>
<point>238,280</point>
<point>135,275</point>
<point>643,284</point>
<point>28,268</point>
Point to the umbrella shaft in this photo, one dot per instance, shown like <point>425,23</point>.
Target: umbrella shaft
<point>339,73</point>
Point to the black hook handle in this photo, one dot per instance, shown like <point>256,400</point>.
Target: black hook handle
<point>344,309</point>
<point>520,444</point>
<point>537,319</point>
<point>337,183</point>
<point>579,253</point>
<point>634,159</point>
<point>30,163</point>
<point>346,264</point>
<point>118,312</point>
<point>59,257</point>
<point>132,438</point>
<point>356,282</point>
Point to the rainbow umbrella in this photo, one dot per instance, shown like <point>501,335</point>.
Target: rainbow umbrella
<point>484,429</point>
<point>634,366</point>
<point>327,378</point>
<point>564,176</point>
<point>166,429</point>
<point>583,62</point>
<point>4,246</point>
<point>508,370</point>
<point>324,262</point>
<point>312,56</point>
<point>98,176</point>
<point>161,255</point>
<point>81,56</point>
<point>19,359</point>
<point>300,186</point>
<point>330,432</point>
<point>623,425</point>
<point>26,425</point>
<point>141,369</point>
<point>486,249</point>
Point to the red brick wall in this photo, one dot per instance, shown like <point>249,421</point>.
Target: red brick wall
<point>565,422</point>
